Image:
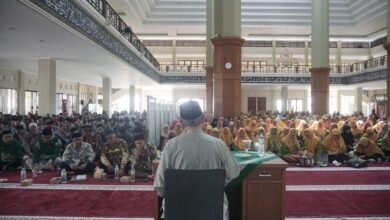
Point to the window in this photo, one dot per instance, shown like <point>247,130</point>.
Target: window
<point>71,103</point>
<point>347,104</point>
<point>190,43</point>
<point>296,44</point>
<point>295,105</point>
<point>252,43</point>
<point>279,105</point>
<point>31,104</point>
<point>378,42</point>
<point>158,43</point>
<point>8,101</point>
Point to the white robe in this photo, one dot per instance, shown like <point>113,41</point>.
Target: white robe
<point>196,151</point>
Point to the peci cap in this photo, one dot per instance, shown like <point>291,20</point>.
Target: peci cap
<point>190,110</point>
<point>76,135</point>
<point>47,131</point>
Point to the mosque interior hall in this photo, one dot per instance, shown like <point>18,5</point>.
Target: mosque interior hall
<point>129,63</point>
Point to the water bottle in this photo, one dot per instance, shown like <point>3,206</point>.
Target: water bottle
<point>116,171</point>
<point>23,174</point>
<point>261,145</point>
<point>63,176</point>
<point>132,174</point>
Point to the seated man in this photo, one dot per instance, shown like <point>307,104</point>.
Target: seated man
<point>47,151</point>
<point>368,149</point>
<point>143,156</point>
<point>31,138</point>
<point>11,152</point>
<point>93,139</point>
<point>78,156</point>
<point>114,152</point>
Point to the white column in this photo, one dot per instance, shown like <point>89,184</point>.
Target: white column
<point>132,98</point>
<point>107,95</point>
<point>338,96</point>
<point>22,94</point>
<point>209,32</point>
<point>46,86</point>
<point>273,52</point>
<point>358,99</point>
<point>273,106</point>
<point>305,100</point>
<point>306,53</point>
<point>284,97</point>
<point>78,98</point>
<point>320,33</point>
<point>139,91</point>
<point>227,18</point>
<point>388,21</point>
<point>338,57</point>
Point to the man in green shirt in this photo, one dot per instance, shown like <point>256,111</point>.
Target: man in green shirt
<point>11,152</point>
<point>47,151</point>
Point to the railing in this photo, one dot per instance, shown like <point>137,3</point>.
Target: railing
<point>355,67</point>
<point>103,8</point>
<point>175,68</point>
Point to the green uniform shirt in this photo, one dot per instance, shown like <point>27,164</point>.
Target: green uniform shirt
<point>47,151</point>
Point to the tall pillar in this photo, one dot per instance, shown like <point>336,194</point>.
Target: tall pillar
<point>22,94</point>
<point>140,107</point>
<point>320,57</point>
<point>387,47</point>
<point>46,86</point>
<point>304,102</point>
<point>132,98</point>
<point>107,96</point>
<point>174,53</point>
<point>209,57</point>
<point>338,57</point>
<point>284,98</point>
<point>227,58</point>
<point>338,99</point>
<point>78,98</point>
<point>358,99</point>
<point>306,53</point>
<point>273,52</point>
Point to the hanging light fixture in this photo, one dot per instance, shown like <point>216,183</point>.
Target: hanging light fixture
<point>286,55</point>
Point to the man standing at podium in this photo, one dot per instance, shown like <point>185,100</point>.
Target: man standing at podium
<point>195,150</point>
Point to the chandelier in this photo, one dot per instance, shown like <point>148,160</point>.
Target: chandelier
<point>286,58</point>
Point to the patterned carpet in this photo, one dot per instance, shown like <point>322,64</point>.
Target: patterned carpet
<point>312,193</point>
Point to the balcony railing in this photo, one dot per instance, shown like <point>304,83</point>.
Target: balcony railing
<point>103,8</point>
<point>355,67</point>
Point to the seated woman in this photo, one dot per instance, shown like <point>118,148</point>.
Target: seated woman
<point>385,145</point>
<point>274,142</point>
<point>312,144</point>
<point>163,137</point>
<point>215,133</point>
<point>227,137</point>
<point>335,145</point>
<point>368,149</point>
<point>356,132</point>
<point>383,132</point>
<point>347,137</point>
<point>371,135</point>
<point>239,140</point>
<point>290,147</point>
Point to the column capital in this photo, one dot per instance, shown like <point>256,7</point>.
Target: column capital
<point>217,41</point>
<point>387,46</point>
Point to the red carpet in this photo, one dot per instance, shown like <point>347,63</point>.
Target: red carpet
<point>76,203</point>
<point>338,203</point>
<point>338,177</point>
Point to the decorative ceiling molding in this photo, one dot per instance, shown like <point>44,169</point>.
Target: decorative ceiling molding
<point>73,16</point>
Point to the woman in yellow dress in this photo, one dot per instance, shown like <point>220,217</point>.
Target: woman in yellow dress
<point>368,149</point>
<point>274,142</point>
<point>290,147</point>
<point>239,140</point>
<point>335,145</point>
<point>227,137</point>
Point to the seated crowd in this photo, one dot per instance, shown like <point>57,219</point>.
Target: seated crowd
<point>77,143</point>
<point>325,139</point>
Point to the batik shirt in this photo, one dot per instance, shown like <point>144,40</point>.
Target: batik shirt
<point>144,162</point>
<point>82,154</point>
<point>116,154</point>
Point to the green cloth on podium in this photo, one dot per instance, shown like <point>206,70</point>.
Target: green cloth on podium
<point>248,162</point>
